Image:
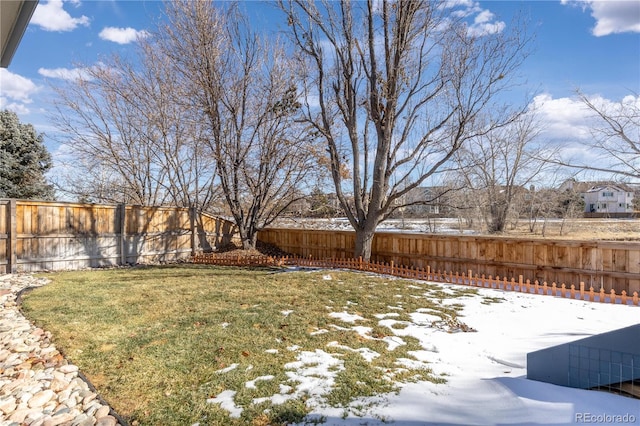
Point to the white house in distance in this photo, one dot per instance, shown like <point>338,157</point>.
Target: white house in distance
<point>608,200</point>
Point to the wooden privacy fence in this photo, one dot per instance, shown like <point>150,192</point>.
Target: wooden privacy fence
<point>610,265</point>
<point>38,236</point>
<point>468,279</point>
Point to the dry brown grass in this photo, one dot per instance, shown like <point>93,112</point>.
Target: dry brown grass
<point>583,229</point>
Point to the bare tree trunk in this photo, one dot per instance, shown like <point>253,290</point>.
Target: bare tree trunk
<point>399,86</point>
<point>364,241</point>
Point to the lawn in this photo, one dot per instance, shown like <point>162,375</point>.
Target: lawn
<point>188,344</point>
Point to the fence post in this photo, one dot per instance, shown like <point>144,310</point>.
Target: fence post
<point>192,228</point>
<point>12,241</point>
<point>123,233</point>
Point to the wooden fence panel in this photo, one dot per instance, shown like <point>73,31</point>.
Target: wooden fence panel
<point>56,236</point>
<point>606,264</point>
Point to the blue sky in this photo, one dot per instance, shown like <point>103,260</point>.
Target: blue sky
<point>591,45</point>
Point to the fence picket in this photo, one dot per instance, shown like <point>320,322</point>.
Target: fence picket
<point>505,284</point>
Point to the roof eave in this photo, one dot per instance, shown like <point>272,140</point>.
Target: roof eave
<point>17,31</point>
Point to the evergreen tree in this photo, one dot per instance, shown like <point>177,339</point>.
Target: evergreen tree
<point>23,160</point>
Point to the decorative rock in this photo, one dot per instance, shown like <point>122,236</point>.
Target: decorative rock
<point>83,420</point>
<point>103,411</point>
<point>8,405</point>
<point>38,387</point>
<point>61,418</point>
<point>87,400</point>
<point>25,397</point>
<point>58,384</point>
<point>20,414</point>
<point>107,421</point>
<point>92,409</point>
<point>33,416</point>
<point>41,398</point>
<point>69,368</point>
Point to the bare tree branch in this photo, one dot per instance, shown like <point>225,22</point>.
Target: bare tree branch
<point>399,87</point>
<point>243,85</point>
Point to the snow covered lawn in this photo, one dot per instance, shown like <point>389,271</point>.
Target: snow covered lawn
<point>486,370</point>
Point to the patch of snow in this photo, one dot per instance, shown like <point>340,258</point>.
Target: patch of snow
<point>315,373</point>
<point>225,399</point>
<point>346,316</point>
<point>227,369</point>
<point>421,318</point>
<point>390,314</point>
<point>286,313</point>
<point>364,332</point>
<point>314,376</point>
<point>486,370</point>
<point>251,384</point>
<point>271,351</point>
<point>393,342</point>
<point>366,353</point>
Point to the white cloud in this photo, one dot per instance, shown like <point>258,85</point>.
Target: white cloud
<point>564,118</point>
<point>484,22</point>
<point>616,17</point>
<point>612,17</point>
<point>69,74</point>
<point>122,35</point>
<point>569,125</point>
<point>480,29</point>
<point>16,91</point>
<point>51,16</point>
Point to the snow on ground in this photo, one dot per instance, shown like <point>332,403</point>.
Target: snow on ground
<point>486,370</point>
<point>440,225</point>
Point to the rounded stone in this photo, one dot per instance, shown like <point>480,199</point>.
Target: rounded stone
<point>41,398</point>
<point>69,368</point>
<point>107,421</point>
<point>103,411</point>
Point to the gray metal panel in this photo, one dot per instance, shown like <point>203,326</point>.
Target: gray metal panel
<point>599,360</point>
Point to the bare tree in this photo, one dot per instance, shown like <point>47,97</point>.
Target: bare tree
<point>394,89</point>
<point>616,136</point>
<point>501,165</point>
<point>130,140</point>
<point>242,84</point>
